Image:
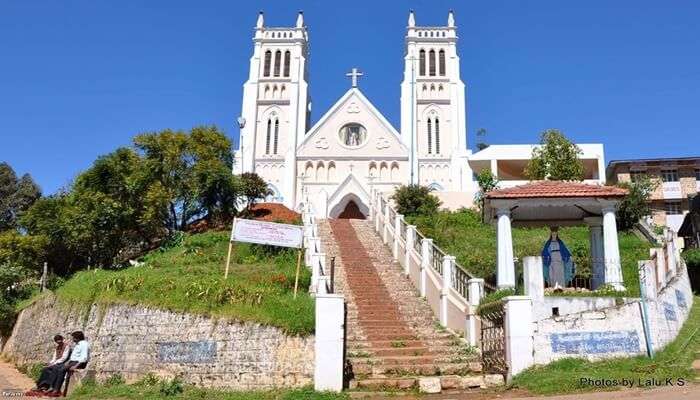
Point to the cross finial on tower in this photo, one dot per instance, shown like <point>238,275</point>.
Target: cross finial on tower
<point>354,74</point>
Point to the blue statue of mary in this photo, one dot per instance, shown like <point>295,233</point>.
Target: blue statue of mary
<point>558,268</point>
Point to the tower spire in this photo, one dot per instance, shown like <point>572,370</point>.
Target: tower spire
<point>411,19</point>
<point>451,19</point>
<point>300,19</point>
<point>261,20</point>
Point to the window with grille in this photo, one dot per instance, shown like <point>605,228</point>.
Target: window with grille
<point>442,62</point>
<point>287,57</point>
<point>267,137</point>
<point>673,207</point>
<point>637,176</point>
<point>430,136</point>
<point>431,62</point>
<point>421,62</point>
<point>437,136</point>
<point>697,174</point>
<point>268,61</point>
<point>277,134</point>
<point>278,61</point>
<point>669,175</point>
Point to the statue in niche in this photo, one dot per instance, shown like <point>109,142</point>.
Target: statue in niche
<point>353,135</point>
<point>558,267</point>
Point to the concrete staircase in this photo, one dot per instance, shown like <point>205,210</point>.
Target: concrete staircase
<point>393,338</point>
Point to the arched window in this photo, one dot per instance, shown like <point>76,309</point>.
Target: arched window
<point>320,172</point>
<point>394,172</point>
<point>277,135</point>
<point>278,61</point>
<point>331,171</point>
<point>267,138</point>
<point>430,136</point>
<point>442,62</point>
<point>437,136</point>
<point>431,62</point>
<point>268,61</point>
<point>421,62</point>
<point>309,171</point>
<point>383,172</point>
<point>287,57</point>
<point>373,169</point>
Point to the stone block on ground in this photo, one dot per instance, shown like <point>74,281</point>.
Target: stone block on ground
<point>429,385</point>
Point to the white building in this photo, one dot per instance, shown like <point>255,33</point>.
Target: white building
<point>353,148</point>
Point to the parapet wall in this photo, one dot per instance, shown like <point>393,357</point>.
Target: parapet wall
<point>615,331</point>
<point>134,340</point>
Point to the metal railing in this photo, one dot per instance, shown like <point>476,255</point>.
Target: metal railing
<point>437,257</point>
<point>418,242</point>
<point>402,229</point>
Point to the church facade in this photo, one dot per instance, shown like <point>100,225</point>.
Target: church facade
<point>353,149</point>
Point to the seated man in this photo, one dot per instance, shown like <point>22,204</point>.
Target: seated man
<point>78,359</point>
<point>60,355</point>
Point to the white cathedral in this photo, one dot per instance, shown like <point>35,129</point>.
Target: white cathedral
<point>353,149</point>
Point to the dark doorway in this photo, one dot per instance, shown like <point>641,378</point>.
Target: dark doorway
<point>351,211</point>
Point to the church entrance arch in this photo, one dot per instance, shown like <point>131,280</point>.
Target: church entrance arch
<point>349,207</point>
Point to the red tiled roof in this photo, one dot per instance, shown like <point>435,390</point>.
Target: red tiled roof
<point>556,189</point>
<point>274,212</point>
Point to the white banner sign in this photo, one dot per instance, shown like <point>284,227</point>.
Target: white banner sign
<point>250,231</point>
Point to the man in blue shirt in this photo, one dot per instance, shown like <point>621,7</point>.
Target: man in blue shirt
<point>79,357</point>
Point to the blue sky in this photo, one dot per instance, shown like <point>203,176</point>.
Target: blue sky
<point>80,78</point>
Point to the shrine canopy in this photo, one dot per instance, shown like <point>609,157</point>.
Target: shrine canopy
<point>554,204</point>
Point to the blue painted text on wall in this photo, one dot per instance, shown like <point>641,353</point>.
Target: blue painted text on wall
<point>187,352</point>
<point>595,342</point>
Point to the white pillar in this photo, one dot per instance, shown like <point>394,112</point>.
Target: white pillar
<point>613,268</point>
<point>660,265</point>
<point>397,236</point>
<point>518,334</point>
<point>387,222</point>
<point>377,211</point>
<point>329,342</point>
<point>595,231</point>
<point>505,274</point>
<point>533,277</point>
<point>494,168</point>
<point>670,249</point>
<point>426,254</point>
<point>448,263</point>
<point>647,279</point>
<point>476,292</point>
<point>410,243</point>
<point>371,205</point>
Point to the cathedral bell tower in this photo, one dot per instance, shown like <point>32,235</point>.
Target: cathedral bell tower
<point>275,109</point>
<point>433,109</point>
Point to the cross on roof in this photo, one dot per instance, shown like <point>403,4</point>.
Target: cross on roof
<point>354,74</point>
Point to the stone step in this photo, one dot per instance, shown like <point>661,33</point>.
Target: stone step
<point>428,369</point>
<point>447,382</point>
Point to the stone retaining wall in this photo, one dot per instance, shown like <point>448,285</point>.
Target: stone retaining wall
<point>135,340</point>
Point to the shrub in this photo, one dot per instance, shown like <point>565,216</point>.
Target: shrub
<point>172,387</point>
<point>115,380</point>
<point>692,258</point>
<point>414,200</point>
<point>636,204</point>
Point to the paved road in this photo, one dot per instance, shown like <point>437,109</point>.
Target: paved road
<point>692,391</point>
<point>13,384</point>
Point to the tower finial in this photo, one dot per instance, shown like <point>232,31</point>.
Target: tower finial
<point>261,20</point>
<point>300,19</point>
<point>451,19</point>
<point>411,19</point>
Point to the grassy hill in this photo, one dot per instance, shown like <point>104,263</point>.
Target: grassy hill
<point>463,235</point>
<point>188,277</point>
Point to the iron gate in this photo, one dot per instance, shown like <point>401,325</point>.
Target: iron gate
<point>493,342</point>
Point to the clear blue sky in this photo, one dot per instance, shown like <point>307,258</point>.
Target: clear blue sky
<point>80,78</point>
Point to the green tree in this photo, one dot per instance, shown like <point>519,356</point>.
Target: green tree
<point>16,195</point>
<point>556,159</point>
<point>414,200</point>
<point>636,204</point>
<point>487,182</point>
<point>253,188</point>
